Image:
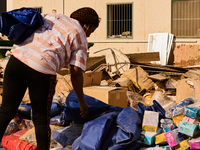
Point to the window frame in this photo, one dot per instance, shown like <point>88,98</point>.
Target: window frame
<point>131,37</point>
<point>191,37</point>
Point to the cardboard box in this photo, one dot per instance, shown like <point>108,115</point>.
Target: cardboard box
<point>192,110</point>
<point>153,148</point>
<point>171,138</point>
<point>114,96</point>
<point>92,78</point>
<point>160,138</point>
<point>148,138</point>
<point>195,143</point>
<point>64,84</point>
<point>190,120</point>
<point>182,146</point>
<point>150,121</point>
<point>178,119</point>
<point>187,128</point>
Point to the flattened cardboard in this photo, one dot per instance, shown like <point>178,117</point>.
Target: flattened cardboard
<point>187,88</point>
<point>184,90</point>
<point>114,96</point>
<point>139,77</point>
<point>64,84</point>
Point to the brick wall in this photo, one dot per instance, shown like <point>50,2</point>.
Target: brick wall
<point>187,55</point>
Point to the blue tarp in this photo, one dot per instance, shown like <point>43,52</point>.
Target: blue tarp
<point>67,135</point>
<point>19,24</point>
<point>106,127</point>
<point>155,107</point>
<point>96,108</point>
<point>24,110</point>
<point>112,131</point>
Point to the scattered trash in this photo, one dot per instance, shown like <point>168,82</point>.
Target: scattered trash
<point>132,105</point>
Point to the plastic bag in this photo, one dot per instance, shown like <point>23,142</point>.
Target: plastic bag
<point>178,108</point>
<point>11,128</point>
<point>67,135</point>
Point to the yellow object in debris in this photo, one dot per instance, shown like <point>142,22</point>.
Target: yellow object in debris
<point>150,121</point>
<point>182,146</point>
<point>178,119</point>
<point>147,98</point>
<point>160,138</point>
<point>149,128</point>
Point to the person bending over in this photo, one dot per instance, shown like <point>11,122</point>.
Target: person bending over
<point>59,42</point>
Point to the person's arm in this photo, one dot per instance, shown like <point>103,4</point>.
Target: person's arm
<point>77,82</point>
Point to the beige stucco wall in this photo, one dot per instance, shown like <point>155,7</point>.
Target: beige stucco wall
<point>149,16</point>
<point>47,5</point>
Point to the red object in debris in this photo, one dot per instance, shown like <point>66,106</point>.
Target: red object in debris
<point>12,142</point>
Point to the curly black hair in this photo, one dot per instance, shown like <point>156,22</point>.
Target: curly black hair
<point>86,15</point>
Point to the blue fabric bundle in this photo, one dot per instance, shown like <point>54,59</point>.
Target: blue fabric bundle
<point>19,24</point>
<point>96,108</point>
<point>112,131</point>
<point>155,107</point>
<point>94,132</point>
<point>106,127</point>
<point>67,135</point>
<point>24,110</point>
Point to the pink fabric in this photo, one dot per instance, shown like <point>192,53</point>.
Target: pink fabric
<point>59,42</point>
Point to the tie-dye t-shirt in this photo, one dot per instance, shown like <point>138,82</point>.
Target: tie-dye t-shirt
<point>59,42</point>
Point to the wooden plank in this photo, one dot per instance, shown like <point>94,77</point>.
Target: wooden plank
<point>166,73</point>
<point>157,77</point>
<point>160,67</point>
<point>144,57</point>
<point>93,62</point>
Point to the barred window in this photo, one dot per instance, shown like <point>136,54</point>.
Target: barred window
<point>186,18</point>
<point>39,9</point>
<point>119,20</point>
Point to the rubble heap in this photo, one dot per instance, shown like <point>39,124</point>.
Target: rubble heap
<point>165,98</point>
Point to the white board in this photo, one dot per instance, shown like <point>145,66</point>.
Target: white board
<point>160,42</point>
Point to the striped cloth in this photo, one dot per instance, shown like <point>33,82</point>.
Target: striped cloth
<point>59,42</point>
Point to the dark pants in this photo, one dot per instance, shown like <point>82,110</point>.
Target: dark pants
<point>17,78</point>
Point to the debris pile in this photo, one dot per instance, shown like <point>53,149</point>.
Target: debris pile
<point>161,102</point>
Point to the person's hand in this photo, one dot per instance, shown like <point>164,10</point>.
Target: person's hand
<point>83,108</point>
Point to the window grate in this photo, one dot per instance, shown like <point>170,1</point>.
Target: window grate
<point>186,18</point>
<point>119,21</point>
